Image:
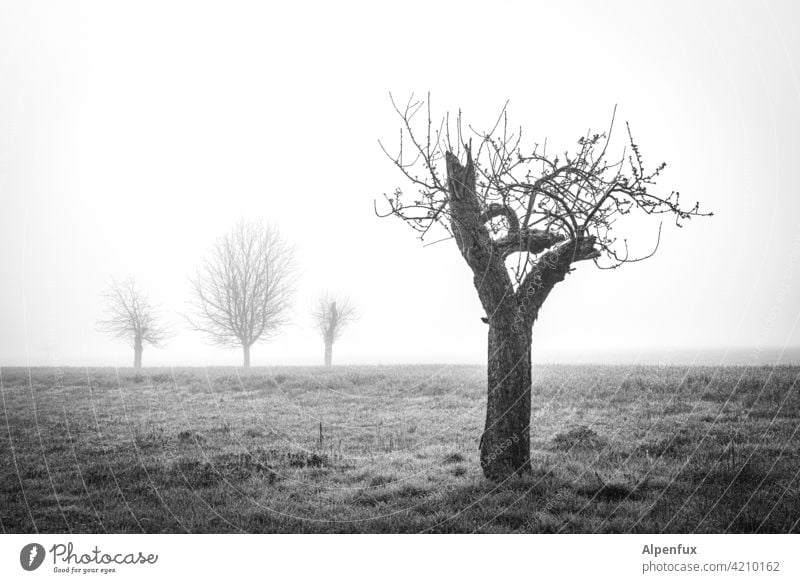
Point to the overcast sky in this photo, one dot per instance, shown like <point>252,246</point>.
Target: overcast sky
<point>133,134</point>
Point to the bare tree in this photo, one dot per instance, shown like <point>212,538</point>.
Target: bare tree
<point>130,316</point>
<point>243,290</point>
<point>522,217</point>
<point>332,315</point>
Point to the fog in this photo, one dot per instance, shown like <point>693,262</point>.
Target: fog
<point>133,135</point>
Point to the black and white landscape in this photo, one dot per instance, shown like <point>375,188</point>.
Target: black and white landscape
<point>524,268</point>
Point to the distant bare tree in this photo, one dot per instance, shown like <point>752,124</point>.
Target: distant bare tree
<point>523,217</point>
<point>243,290</point>
<point>130,316</point>
<point>332,315</point>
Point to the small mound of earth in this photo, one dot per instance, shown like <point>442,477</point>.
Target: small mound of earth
<point>580,437</point>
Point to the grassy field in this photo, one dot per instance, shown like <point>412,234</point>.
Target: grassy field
<point>394,449</point>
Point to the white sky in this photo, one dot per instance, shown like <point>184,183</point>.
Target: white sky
<point>133,134</point>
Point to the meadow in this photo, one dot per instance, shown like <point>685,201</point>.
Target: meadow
<point>395,449</point>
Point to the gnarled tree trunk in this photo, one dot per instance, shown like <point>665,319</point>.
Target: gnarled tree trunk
<point>246,350</point>
<point>328,352</point>
<point>505,443</point>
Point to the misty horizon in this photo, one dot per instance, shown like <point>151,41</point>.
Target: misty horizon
<point>666,356</point>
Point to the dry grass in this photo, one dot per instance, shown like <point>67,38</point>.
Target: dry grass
<point>614,449</point>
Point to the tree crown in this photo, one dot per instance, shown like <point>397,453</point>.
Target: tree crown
<point>242,292</point>
<point>332,314</point>
<point>527,198</point>
<point>130,316</point>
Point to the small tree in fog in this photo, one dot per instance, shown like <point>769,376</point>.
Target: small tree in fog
<point>130,316</point>
<point>332,315</point>
<point>242,291</point>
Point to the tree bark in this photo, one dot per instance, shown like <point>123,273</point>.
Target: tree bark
<point>246,349</point>
<point>137,354</point>
<point>505,443</point>
<point>328,353</point>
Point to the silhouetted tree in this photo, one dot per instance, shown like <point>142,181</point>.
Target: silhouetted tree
<point>332,315</point>
<point>522,217</point>
<point>243,290</point>
<point>130,316</point>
